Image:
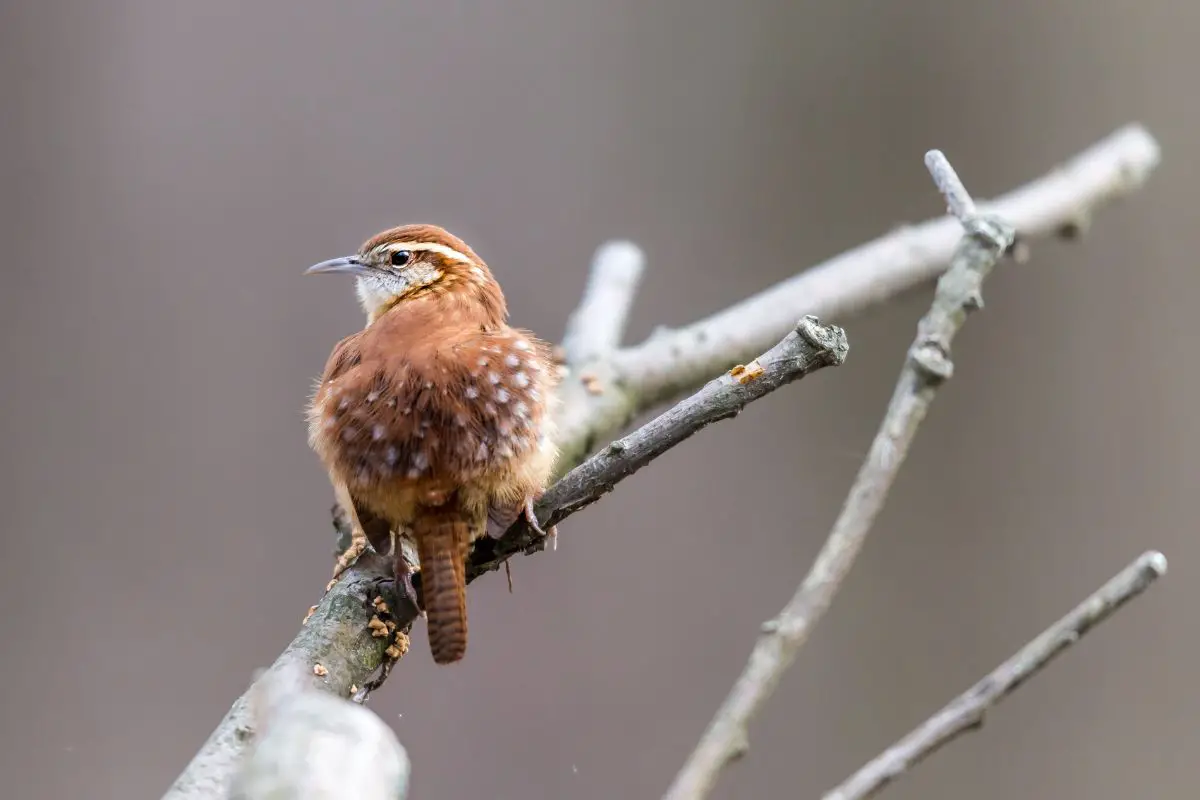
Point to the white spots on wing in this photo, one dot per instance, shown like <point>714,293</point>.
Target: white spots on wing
<point>483,361</point>
<point>378,432</point>
<point>349,432</point>
<point>521,410</point>
<point>521,344</point>
<point>504,450</point>
<point>520,380</point>
<point>502,395</point>
<point>460,419</point>
<point>372,397</point>
<point>489,409</point>
<point>428,384</point>
<point>471,392</point>
<point>494,378</point>
<point>391,455</point>
<point>512,360</point>
<point>343,404</point>
<point>420,461</point>
<point>390,402</point>
<point>481,453</point>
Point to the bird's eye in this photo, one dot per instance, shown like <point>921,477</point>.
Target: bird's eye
<point>400,257</point>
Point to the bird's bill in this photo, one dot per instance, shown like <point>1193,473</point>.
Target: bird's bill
<point>346,265</point>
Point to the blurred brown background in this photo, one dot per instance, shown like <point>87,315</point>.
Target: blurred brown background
<point>170,168</point>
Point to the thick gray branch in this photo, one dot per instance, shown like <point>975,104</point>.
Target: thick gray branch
<point>966,712</point>
<point>313,746</point>
<point>595,328</point>
<point>928,365</point>
<point>673,362</point>
<point>336,637</point>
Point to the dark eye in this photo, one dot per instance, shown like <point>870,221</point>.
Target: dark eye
<point>400,257</point>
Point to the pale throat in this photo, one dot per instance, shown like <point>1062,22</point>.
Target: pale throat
<point>373,298</point>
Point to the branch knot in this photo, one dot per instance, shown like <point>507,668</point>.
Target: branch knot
<point>829,340</point>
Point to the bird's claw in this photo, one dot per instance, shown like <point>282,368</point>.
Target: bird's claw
<point>531,518</point>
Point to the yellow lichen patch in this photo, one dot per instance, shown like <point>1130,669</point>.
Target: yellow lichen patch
<point>744,373</point>
<point>320,671</point>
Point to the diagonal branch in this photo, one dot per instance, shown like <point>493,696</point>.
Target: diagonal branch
<point>674,362</point>
<point>926,368</point>
<point>809,347</point>
<point>965,712</point>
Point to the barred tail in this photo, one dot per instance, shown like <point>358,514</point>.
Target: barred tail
<point>442,539</point>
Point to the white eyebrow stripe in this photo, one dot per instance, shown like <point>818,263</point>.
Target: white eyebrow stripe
<point>432,247</point>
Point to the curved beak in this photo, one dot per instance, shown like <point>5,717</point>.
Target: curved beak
<point>347,265</point>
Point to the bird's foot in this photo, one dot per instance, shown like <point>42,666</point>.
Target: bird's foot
<point>358,544</point>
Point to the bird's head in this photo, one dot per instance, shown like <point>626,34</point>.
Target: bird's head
<point>411,262</point>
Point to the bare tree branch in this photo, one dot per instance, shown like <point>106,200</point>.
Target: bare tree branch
<point>673,362</point>
<point>927,366</point>
<point>966,711</point>
<point>310,745</point>
<point>609,387</point>
<point>595,328</point>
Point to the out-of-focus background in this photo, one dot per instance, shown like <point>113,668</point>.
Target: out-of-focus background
<point>170,168</point>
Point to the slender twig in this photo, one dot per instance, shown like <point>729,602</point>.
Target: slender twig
<point>674,362</point>
<point>309,744</point>
<point>807,348</point>
<point>927,366</point>
<point>595,328</point>
<point>966,712</point>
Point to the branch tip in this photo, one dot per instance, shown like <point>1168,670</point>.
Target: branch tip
<point>967,711</point>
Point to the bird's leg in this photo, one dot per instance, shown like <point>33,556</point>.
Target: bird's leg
<point>358,536</point>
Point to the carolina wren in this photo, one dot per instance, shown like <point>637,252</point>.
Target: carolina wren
<point>435,418</point>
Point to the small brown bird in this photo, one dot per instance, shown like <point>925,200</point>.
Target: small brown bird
<point>434,421</point>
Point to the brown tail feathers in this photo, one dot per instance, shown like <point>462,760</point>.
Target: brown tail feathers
<point>442,538</point>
